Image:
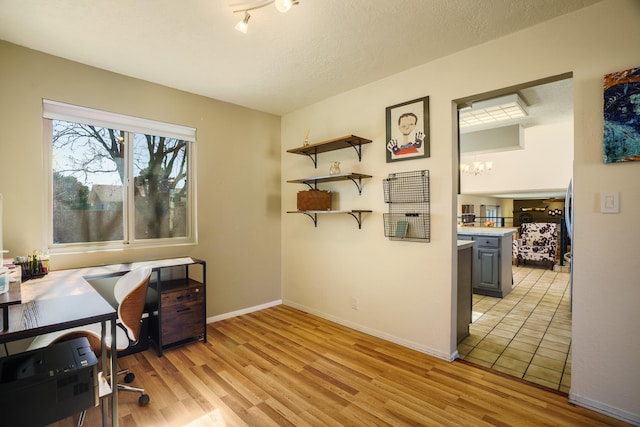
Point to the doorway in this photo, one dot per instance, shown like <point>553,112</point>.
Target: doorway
<point>527,333</point>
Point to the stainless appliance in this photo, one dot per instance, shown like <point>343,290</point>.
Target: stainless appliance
<point>568,218</point>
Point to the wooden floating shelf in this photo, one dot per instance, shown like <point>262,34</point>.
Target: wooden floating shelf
<point>313,182</point>
<point>330,145</point>
<point>329,178</point>
<point>355,213</point>
<point>312,150</point>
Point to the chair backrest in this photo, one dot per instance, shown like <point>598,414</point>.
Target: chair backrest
<point>539,233</point>
<point>130,291</point>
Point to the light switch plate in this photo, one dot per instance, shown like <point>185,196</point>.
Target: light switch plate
<point>610,202</point>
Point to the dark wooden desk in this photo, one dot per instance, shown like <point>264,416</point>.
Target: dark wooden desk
<point>65,299</point>
<point>58,301</point>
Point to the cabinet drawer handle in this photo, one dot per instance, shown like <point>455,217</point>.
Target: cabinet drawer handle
<point>183,296</point>
<point>183,309</point>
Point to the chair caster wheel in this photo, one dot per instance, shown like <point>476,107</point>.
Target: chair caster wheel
<point>143,400</point>
<point>128,378</point>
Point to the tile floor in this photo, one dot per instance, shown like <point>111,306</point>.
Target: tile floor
<point>526,334</point>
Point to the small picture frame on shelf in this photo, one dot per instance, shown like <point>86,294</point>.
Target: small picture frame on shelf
<point>408,130</point>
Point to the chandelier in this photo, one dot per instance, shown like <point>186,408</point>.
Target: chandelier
<point>282,6</point>
<point>478,168</point>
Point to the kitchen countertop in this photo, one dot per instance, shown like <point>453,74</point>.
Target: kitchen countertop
<point>487,231</point>
<point>464,244</point>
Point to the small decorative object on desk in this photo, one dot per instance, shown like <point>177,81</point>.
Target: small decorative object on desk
<point>335,168</point>
<point>33,266</point>
<point>489,223</point>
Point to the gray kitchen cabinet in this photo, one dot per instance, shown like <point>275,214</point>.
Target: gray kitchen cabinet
<point>465,289</point>
<point>492,275</point>
<point>488,271</point>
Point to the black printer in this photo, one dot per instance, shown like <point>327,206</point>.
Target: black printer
<point>44,385</point>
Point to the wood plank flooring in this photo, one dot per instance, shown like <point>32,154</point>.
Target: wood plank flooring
<point>283,367</point>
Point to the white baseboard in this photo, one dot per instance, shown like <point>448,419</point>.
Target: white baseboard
<point>368,331</point>
<point>602,408</point>
<point>243,311</point>
<point>379,334</point>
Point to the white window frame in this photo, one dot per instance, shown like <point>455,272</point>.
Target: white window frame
<point>53,110</point>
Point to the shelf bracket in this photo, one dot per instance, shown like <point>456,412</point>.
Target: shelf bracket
<point>358,148</point>
<point>314,157</point>
<point>314,186</point>
<point>358,184</point>
<point>358,218</point>
<point>314,218</point>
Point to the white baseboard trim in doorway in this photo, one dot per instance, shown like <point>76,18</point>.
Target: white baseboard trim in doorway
<point>633,419</point>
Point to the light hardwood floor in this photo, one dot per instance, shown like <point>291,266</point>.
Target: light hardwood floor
<point>280,366</point>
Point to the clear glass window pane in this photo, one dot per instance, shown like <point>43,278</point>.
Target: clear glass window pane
<point>161,196</point>
<point>88,175</point>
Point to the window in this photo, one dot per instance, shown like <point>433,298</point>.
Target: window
<point>117,180</point>
<point>492,213</point>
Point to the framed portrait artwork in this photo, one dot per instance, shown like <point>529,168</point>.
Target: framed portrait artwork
<point>408,130</point>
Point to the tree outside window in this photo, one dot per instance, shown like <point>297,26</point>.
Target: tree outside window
<point>111,185</point>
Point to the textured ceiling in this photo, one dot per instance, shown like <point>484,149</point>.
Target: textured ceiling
<point>286,61</point>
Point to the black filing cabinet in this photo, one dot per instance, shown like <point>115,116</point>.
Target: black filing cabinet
<point>180,317</point>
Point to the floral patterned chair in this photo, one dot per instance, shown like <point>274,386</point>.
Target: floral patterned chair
<point>537,242</point>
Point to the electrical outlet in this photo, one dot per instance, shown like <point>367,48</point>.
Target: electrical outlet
<point>355,303</point>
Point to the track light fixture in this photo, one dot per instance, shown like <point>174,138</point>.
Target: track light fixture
<point>282,6</point>
<point>243,25</point>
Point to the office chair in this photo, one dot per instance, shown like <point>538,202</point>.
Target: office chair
<point>129,291</point>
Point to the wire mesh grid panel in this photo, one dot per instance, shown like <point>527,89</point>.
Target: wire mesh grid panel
<point>407,187</point>
<point>407,194</point>
<point>407,227</point>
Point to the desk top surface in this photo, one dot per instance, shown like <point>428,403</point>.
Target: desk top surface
<point>64,299</point>
<point>11,296</point>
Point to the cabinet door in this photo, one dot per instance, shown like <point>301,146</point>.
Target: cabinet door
<point>489,268</point>
<point>181,322</point>
<point>182,315</point>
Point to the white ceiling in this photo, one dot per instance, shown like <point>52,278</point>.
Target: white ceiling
<point>286,61</point>
<point>546,104</point>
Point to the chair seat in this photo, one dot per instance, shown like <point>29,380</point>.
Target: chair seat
<point>93,330</point>
<point>538,242</point>
<point>536,253</point>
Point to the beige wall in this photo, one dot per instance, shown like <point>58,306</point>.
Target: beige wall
<point>238,171</point>
<point>544,164</point>
<point>405,289</point>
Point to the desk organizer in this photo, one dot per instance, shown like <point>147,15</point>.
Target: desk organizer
<point>32,268</point>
